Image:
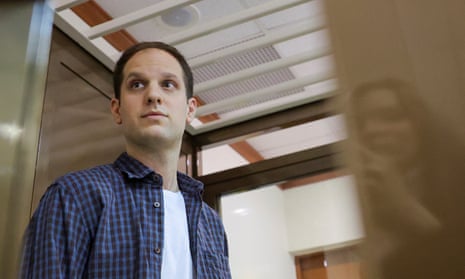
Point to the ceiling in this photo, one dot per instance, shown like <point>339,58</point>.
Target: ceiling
<point>250,58</point>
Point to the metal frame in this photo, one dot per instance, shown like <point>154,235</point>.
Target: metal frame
<point>291,166</point>
<point>296,165</point>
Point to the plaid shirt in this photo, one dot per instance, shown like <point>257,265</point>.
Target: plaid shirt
<point>107,222</point>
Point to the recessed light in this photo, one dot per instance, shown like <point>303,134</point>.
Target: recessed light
<point>180,17</point>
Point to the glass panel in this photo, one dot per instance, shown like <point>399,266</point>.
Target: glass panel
<point>269,226</point>
<point>273,144</point>
<point>25,33</point>
<point>402,71</point>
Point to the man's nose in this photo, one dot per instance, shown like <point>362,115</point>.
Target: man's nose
<point>154,95</point>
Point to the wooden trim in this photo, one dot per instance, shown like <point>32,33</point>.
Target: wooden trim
<point>283,119</point>
<point>338,263</point>
<point>312,266</point>
<point>242,147</point>
<point>298,268</point>
<point>291,166</point>
<point>312,261</point>
<point>206,118</point>
<point>189,153</point>
<point>93,14</point>
<point>313,179</point>
<point>247,151</point>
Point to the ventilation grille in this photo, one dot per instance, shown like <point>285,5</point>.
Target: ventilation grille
<point>237,63</point>
<point>234,64</point>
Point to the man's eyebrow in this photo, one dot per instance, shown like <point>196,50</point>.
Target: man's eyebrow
<point>135,75</point>
<point>142,75</point>
<point>169,75</point>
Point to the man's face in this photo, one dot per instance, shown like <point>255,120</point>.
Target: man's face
<point>153,109</point>
<point>387,127</point>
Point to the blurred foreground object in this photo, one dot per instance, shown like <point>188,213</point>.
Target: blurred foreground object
<point>25,32</point>
<point>401,66</point>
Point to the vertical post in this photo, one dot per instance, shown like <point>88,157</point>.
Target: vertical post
<point>25,32</point>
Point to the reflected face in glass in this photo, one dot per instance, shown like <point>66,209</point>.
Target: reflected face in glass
<point>153,101</point>
<point>386,127</point>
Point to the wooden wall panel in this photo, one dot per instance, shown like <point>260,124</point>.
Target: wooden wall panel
<point>77,129</point>
<point>342,263</point>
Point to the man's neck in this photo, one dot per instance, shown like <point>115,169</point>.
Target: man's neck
<point>163,162</point>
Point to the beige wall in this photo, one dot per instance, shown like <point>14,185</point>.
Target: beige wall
<point>322,216</point>
<point>267,227</point>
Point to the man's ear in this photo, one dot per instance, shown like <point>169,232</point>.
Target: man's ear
<point>191,109</point>
<point>115,106</point>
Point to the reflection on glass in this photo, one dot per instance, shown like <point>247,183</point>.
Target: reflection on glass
<point>405,197</point>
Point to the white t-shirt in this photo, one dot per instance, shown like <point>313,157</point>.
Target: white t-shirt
<point>177,261</point>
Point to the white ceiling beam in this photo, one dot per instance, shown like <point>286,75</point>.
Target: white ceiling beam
<point>133,18</point>
<point>231,20</point>
<point>90,46</point>
<point>275,89</point>
<point>286,102</point>
<point>261,69</point>
<point>275,36</point>
<point>60,5</point>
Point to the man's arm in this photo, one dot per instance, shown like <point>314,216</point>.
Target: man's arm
<point>226,250</point>
<point>57,240</point>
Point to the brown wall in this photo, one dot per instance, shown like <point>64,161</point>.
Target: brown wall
<point>77,128</point>
<point>342,263</point>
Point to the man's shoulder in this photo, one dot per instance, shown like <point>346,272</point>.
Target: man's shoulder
<point>99,178</point>
<point>207,209</point>
<point>90,175</point>
<point>210,215</point>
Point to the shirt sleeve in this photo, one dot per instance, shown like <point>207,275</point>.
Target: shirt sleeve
<point>57,241</point>
<point>226,253</point>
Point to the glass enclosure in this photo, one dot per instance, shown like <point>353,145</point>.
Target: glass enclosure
<point>357,173</point>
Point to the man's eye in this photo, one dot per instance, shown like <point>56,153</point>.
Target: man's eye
<point>169,84</point>
<point>136,84</point>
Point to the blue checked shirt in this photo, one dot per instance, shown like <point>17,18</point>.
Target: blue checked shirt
<point>107,222</point>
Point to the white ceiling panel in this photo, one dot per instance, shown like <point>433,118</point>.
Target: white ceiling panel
<point>294,14</point>
<point>304,136</point>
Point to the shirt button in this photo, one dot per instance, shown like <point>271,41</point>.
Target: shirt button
<point>156,204</point>
<point>157,250</point>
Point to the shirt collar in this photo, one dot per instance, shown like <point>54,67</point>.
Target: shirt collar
<point>134,169</point>
<point>189,184</point>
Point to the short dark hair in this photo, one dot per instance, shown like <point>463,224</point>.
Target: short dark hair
<point>131,51</point>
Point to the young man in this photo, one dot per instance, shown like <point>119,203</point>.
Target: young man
<point>137,217</point>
